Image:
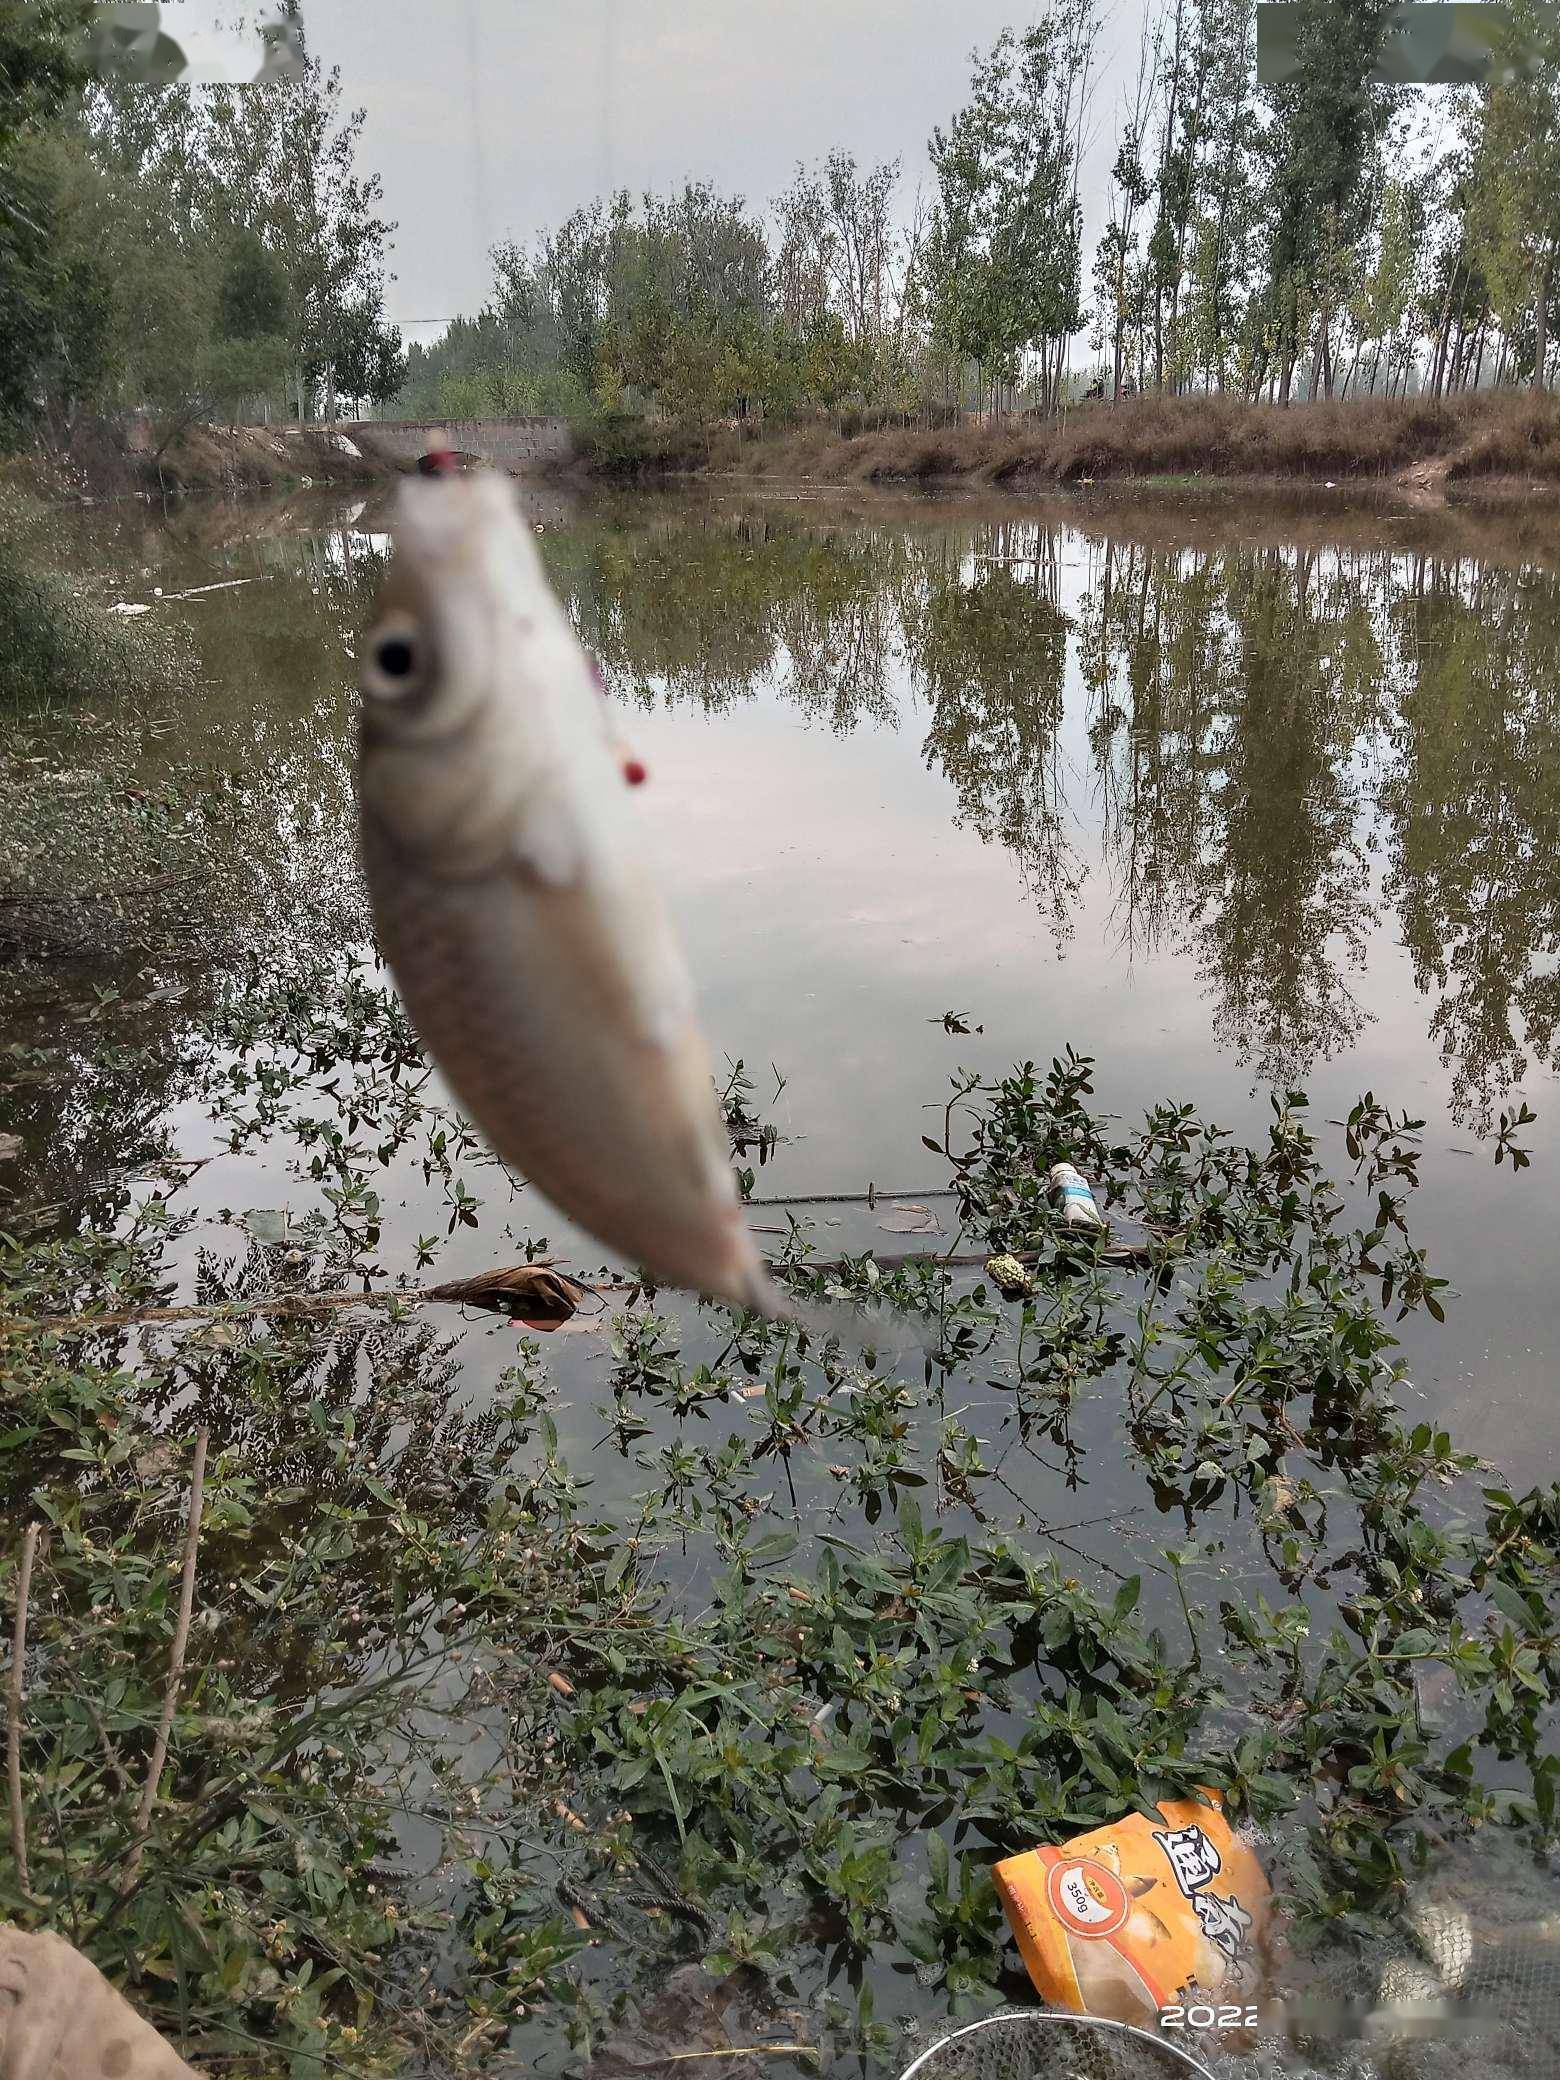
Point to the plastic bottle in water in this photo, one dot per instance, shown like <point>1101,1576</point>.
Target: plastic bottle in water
<point>1076,1201</point>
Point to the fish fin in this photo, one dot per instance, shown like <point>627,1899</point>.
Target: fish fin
<point>549,846</point>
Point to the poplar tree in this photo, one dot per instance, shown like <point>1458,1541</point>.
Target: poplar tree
<point>41,70</point>
<point>1514,206</point>
<point>1324,122</point>
<point>1005,242</point>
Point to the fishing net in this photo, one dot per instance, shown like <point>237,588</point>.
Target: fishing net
<point>1469,1983</point>
<point>1467,1987</point>
<point>1026,2044</point>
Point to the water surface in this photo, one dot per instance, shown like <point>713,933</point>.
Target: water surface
<point>1234,800</point>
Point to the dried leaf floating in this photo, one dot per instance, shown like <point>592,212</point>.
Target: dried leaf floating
<point>533,1294</point>
<point>693,2021</point>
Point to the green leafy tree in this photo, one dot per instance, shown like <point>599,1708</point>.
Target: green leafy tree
<point>253,301</point>
<point>1186,85</point>
<point>839,253</point>
<point>1384,293</point>
<point>46,310</point>
<point>1116,273</point>
<point>369,363</point>
<point>1321,138</point>
<point>1514,206</point>
<point>1221,243</point>
<point>1005,242</point>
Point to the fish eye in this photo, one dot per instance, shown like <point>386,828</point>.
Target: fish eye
<point>393,667</point>
<point>395,657</point>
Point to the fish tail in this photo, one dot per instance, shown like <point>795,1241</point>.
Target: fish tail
<point>889,1333</point>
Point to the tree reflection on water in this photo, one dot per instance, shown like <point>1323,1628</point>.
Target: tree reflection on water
<point>1284,744</point>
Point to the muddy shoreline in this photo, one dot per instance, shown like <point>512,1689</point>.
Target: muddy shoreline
<point>1497,453</point>
<point>104,460</point>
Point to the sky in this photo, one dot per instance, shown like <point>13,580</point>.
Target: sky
<point>491,119</point>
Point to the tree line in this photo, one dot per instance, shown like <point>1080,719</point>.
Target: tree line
<point>189,253</point>
<point>1353,237</point>
<point>220,253</point>
<point>1329,236</point>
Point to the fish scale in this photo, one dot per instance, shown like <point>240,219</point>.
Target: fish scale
<point>428,934</point>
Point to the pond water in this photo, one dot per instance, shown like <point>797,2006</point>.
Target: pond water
<point>1231,799</point>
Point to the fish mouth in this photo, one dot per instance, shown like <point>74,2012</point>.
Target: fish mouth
<point>445,519</point>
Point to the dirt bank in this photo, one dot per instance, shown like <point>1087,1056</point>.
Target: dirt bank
<point>1498,446</point>
<point>108,460</point>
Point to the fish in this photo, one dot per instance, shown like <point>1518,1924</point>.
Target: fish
<point>514,905</point>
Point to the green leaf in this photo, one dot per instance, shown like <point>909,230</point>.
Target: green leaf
<point>910,1524</point>
<point>1512,1604</point>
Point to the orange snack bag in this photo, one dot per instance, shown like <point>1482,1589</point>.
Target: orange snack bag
<point>1134,1919</point>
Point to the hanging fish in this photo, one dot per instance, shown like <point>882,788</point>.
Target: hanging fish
<point>514,906</point>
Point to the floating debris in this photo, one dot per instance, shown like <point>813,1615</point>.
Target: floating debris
<point>1092,1945</point>
<point>534,1294</point>
<point>910,1220</point>
<point>1009,1277</point>
<point>1077,1208</point>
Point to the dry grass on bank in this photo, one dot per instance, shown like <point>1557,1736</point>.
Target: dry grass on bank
<point>1507,434</point>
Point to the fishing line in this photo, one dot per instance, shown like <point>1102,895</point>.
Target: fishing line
<point>606,93</point>
<point>479,166</point>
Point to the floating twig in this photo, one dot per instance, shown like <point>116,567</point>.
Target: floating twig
<point>745,2051</point>
<point>869,1197</point>
<point>219,1311</point>
<point>462,1293</point>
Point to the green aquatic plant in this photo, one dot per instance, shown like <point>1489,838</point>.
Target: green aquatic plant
<point>694,1642</point>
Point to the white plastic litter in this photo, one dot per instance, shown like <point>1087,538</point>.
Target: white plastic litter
<point>1076,1201</point>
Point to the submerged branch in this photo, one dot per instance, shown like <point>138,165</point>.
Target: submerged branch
<point>462,1293</point>
<point>13,1756</point>
<point>181,1635</point>
<point>503,1292</point>
<point>126,894</point>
